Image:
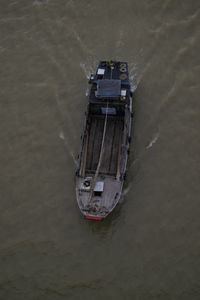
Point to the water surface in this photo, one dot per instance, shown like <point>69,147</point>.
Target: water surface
<point>148,248</point>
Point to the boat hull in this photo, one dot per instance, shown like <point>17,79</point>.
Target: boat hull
<point>105,142</point>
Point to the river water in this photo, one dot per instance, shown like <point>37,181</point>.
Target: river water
<point>149,247</point>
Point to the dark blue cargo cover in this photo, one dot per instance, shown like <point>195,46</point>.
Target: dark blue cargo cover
<point>108,88</point>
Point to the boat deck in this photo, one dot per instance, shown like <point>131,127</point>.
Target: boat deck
<point>102,205</point>
<point>112,144</point>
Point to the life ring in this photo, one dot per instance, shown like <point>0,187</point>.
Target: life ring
<point>123,76</point>
<point>122,69</point>
<point>86,183</point>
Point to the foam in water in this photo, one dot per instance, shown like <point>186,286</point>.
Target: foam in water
<point>153,141</point>
<point>126,190</point>
<point>85,69</point>
<point>62,137</point>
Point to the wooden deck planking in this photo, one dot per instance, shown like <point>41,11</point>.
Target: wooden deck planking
<point>116,144</point>
<point>94,141</point>
<point>112,187</point>
<point>112,138</point>
<point>107,155</point>
<point>112,148</point>
<point>97,143</point>
<point>91,143</point>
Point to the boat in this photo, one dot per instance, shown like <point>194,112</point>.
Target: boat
<point>105,142</point>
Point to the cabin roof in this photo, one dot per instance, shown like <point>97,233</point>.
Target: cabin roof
<point>108,88</point>
<point>99,186</point>
<point>110,83</point>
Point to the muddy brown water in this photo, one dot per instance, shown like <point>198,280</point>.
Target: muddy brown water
<point>149,247</point>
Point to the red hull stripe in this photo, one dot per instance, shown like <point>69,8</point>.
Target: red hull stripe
<point>93,218</point>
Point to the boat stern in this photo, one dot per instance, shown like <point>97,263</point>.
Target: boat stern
<point>98,203</point>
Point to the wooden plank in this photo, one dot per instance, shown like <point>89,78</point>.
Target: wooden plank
<point>84,155</point>
<point>108,146</point>
<point>100,158</point>
<point>116,145</point>
<point>97,143</point>
<point>113,147</point>
<point>111,188</point>
<point>93,123</point>
<point>112,139</point>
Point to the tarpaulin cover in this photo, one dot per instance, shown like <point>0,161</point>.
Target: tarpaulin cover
<point>108,88</point>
